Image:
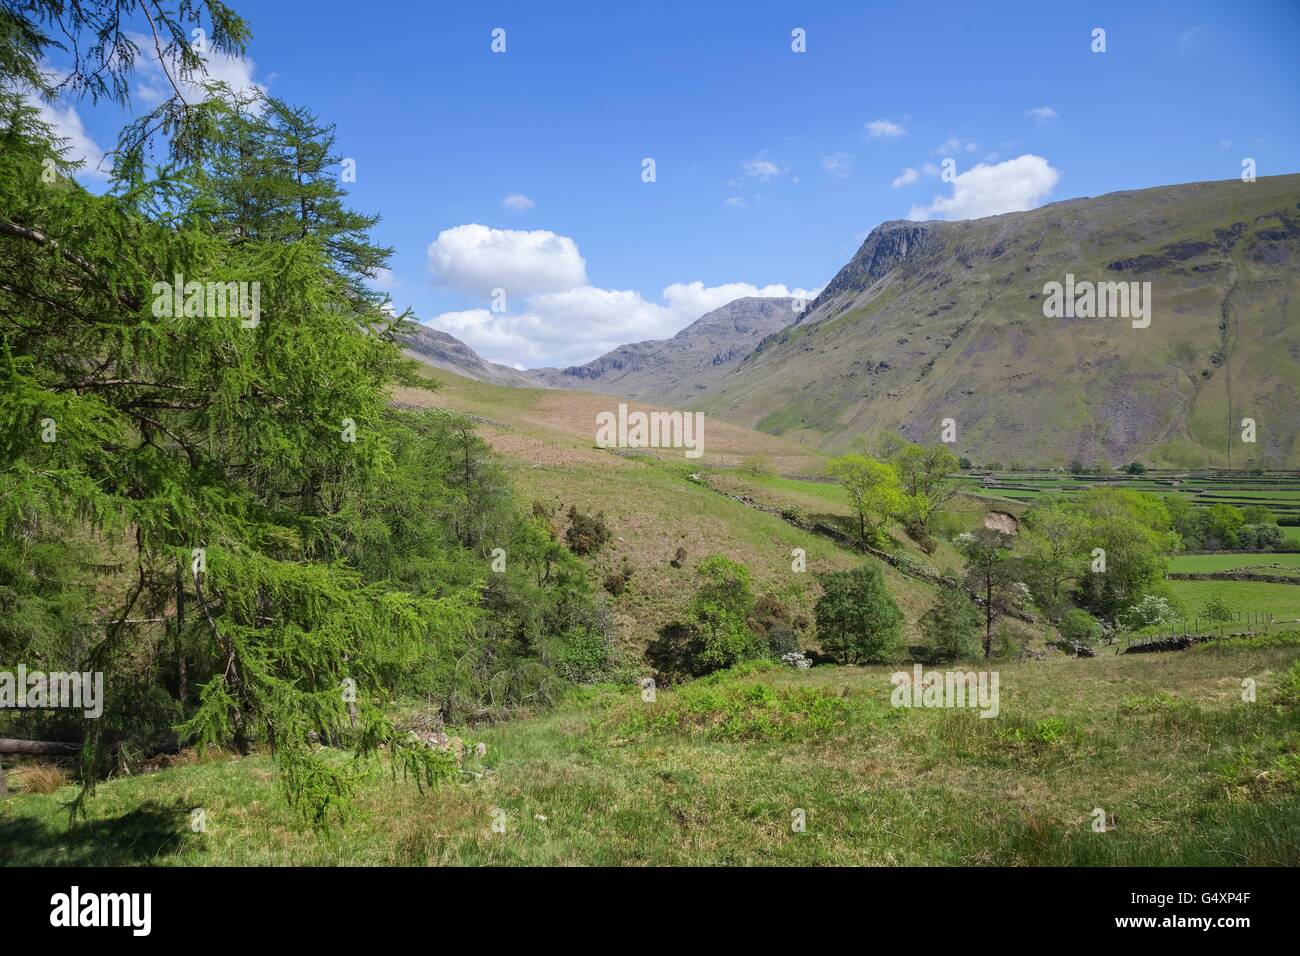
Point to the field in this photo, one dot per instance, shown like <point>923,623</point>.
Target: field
<point>1265,561</point>
<point>1280,600</point>
<point>1279,492</point>
<point>1184,770</point>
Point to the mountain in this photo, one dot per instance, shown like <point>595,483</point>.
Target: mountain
<point>673,371</point>
<point>938,320</point>
<point>450,354</point>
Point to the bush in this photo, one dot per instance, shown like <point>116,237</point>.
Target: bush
<point>1077,626</point>
<point>857,620</point>
<point>952,627</point>
<point>1151,611</point>
<point>586,534</point>
<point>715,633</point>
<point>1217,609</point>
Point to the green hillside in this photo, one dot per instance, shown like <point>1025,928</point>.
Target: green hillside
<point>940,320</point>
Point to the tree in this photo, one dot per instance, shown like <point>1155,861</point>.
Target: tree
<point>924,475</point>
<point>873,489</point>
<point>1053,552</point>
<point>1136,468</point>
<point>240,476</point>
<point>857,620</point>
<point>1131,565</point>
<point>952,626</point>
<point>991,575</point>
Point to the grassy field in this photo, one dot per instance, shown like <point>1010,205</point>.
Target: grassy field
<point>1281,600</point>
<point>1262,561</point>
<point>1279,492</point>
<point>1186,772</point>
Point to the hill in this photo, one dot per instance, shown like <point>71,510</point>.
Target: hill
<point>937,320</point>
<point>673,371</point>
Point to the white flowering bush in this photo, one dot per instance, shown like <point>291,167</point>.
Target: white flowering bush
<point>1151,611</point>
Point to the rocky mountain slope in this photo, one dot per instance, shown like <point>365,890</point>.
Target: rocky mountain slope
<point>945,320</point>
<point>450,354</point>
<point>673,371</point>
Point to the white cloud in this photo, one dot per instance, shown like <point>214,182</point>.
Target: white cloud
<point>954,145</point>
<point>687,301</point>
<point>518,202</point>
<point>66,125</point>
<point>573,326</point>
<point>65,122</point>
<point>1041,114</point>
<point>1011,186</point>
<point>905,178</point>
<point>478,259</point>
<point>554,317</point>
<point>884,129</point>
<point>839,165</point>
<point>735,202</point>
<point>761,169</point>
<point>155,86</point>
<point>384,279</point>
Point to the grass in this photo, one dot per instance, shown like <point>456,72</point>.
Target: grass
<point>714,772</point>
<point>1282,600</point>
<point>1261,561</point>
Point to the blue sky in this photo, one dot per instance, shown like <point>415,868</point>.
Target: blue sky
<point>771,165</point>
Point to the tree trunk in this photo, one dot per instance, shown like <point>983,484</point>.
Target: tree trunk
<point>182,676</point>
<point>988,618</point>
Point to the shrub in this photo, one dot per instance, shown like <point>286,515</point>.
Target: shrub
<point>1077,626</point>
<point>1151,611</point>
<point>1217,609</point>
<point>715,632</point>
<point>586,533</point>
<point>857,620</point>
<point>757,467</point>
<point>952,627</point>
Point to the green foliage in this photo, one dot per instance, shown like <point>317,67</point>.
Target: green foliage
<point>1079,627</point>
<point>924,474</point>
<point>1218,609</point>
<point>873,489</point>
<point>746,711</point>
<point>715,631</point>
<point>857,621</point>
<point>952,627</point>
<point>993,575</point>
<point>221,512</point>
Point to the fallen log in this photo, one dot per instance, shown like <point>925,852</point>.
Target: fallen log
<point>39,748</point>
